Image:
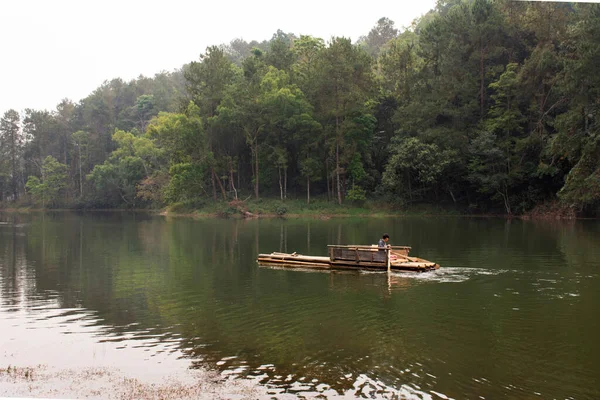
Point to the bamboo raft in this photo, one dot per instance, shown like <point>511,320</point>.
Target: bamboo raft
<point>352,257</point>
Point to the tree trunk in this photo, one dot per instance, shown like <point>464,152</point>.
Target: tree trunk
<point>337,159</point>
<point>337,172</point>
<point>452,195</point>
<point>542,96</point>
<point>214,187</point>
<point>285,183</point>
<point>14,165</point>
<point>506,200</point>
<point>307,190</point>
<point>80,177</point>
<point>327,177</point>
<point>481,77</point>
<point>280,185</point>
<point>212,174</point>
<point>409,187</point>
<point>216,177</point>
<point>231,179</point>
<point>256,168</point>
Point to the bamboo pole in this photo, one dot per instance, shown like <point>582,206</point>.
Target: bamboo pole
<point>389,264</point>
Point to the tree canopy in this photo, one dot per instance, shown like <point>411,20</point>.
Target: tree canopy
<point>488,106</point>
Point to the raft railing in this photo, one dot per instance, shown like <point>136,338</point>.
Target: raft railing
<point>358,253</point>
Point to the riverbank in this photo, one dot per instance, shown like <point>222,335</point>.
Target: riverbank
<point>267,208</point>
<point>270,208</point>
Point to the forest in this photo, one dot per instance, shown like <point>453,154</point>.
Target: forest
<point>479,106</point>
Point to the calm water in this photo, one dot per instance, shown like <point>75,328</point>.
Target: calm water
<point>513,313</point>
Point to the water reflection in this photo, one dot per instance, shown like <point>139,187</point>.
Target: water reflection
<point>508,315</point>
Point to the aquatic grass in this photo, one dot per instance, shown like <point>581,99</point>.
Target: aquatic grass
<point>320,208</point>
<point>110,383</point>
<point>17,373</point>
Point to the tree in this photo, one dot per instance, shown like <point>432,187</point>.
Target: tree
<point>40,132</point>
<point>135,158</point>
<point>287,114</point>
<point>576,141</point>
<point>182,140</point>
<point>64,115</point>
<point>48,189</point>
<point>206,83</point>
<point>145,110</point>
<point>81,140</point>
<point>237,50</point>
<point>486,34</point>
<point>345,82</point>
<point>310,169</point>
<point>206,80</point>
<point>241,110</point>
<point>279,54</point>
<point>379,36</point>
<point>11,145</point>
<point>415,167</point>
<point>488,169</point>
<point>400,65</point>
<point>306,51</point>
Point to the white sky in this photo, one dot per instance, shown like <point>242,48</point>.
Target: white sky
<point>52,49</point>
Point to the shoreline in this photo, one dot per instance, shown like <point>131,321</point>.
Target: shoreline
<point>316,215</point>
<point>239,212</point>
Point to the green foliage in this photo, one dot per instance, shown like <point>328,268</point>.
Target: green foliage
<point>356,194</point>
<point>48,190</point>
<point>415,167</point>
<point>281,210</point>
<point>206,80</point>
<point>490,105</point>
<point>135,158</point>
<point>180,136</point>
<point>379,36</point>
<point>186,182</point>
<point>11,146</point>
<point>582,184</point>
<point>356,170</point>
<point>487,168</point>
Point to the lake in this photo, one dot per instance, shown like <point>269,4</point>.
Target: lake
<point>513,312</point>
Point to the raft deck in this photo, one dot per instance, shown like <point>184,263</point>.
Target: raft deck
<point>352,257</point>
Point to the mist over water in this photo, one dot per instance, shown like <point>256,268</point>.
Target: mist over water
<point>512,313</point>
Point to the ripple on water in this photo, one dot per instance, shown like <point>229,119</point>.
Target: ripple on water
<point>450,274</point>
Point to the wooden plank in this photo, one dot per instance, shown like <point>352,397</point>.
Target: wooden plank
<point>374,247</point>
<point>405,257</point>
<point>352,257</point>
<point>295,266</point>
<point>363,264</point>
<point>348,266</point>
<point>294,258</point>
<point>306,261</point>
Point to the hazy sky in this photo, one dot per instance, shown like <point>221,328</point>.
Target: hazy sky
<point>52,49</point>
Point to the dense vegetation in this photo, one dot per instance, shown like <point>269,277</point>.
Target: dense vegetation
<point>486,106</point>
